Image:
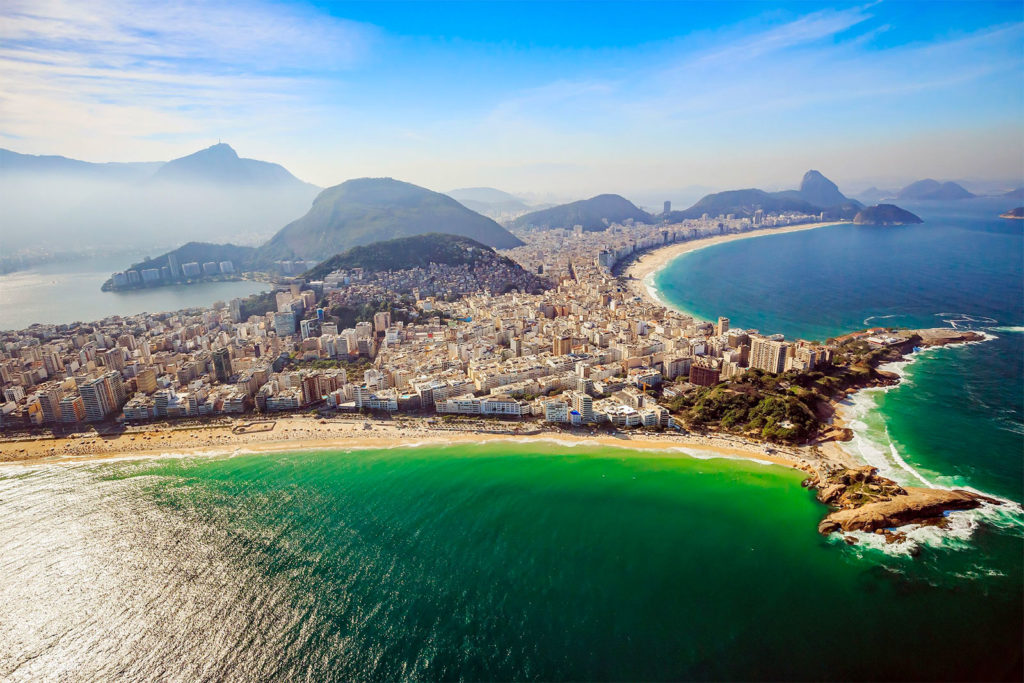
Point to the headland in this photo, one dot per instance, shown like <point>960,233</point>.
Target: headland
<point>862,499</point>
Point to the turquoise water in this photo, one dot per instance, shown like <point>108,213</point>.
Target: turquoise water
<point>959,416</point>
<point>543,562</point>
<point>507,562</point>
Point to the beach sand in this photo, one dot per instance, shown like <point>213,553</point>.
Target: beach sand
<point>657,259</point>
<point>304,433</point>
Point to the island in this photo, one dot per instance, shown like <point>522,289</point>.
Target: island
<point>885,214</point>
<point>1016,214</point>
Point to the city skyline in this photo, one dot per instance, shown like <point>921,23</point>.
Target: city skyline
<point>527,98</point>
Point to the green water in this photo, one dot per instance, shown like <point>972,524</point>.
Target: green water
<point>505,561</point>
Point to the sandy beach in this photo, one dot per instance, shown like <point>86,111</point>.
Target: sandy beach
<point>303,433</point>
<point>657,259</point>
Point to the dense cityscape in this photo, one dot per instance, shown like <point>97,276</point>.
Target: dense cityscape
<point>589,350</point>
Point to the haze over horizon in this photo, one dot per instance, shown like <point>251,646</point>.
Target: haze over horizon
<point>528,98</point>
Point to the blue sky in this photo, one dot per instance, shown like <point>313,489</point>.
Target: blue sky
<point>568,99</point>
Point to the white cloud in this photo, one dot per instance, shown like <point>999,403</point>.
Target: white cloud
<point>122,72</point>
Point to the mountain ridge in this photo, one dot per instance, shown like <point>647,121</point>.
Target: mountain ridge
<point>929,189</point>
<point>594,214</point>
<point>221,163</point>
<point>365,210</point>
<point>746,202</point>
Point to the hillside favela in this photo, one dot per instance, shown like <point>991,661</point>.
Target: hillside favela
<point>512,341</point>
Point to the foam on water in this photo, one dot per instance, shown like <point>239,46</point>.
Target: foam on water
<point>955,535</point>
<point>873,445</point>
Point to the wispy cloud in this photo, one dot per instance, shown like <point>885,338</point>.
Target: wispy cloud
<point>190,34</point>
<point>821,59</point>
<point>146,70</point>
<point>806,30</point>
<point>331,98</point>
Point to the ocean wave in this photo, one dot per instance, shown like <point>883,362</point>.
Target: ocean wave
<point>694,452</point>
<point>1008,328</point>
<point>867,321</point>
<point>873,445</point>
<point>955,320</point>
<point>956,535</point>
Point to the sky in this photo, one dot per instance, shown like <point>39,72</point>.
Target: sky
<point>554,99</point>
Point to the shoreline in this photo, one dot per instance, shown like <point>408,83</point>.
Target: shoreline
<point>860,499</point>
<point>649,263</point>
<point>307,434</point>
<point>846,410</point>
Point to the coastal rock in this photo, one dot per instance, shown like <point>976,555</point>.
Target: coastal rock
<point>885,214</point>
<point>831,493</point>
<point>941,336</point>
<point>915,506</point>
<point>868,502</point>
<point>827,526</point>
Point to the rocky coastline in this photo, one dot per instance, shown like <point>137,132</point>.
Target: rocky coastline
<point>865,501</point>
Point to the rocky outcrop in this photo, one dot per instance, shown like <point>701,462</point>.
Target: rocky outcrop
<point>868,502</point>
<point>914,506</point>
<point>885,214</point>
<point>943,336</point>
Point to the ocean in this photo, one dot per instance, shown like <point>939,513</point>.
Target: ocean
<point>59,293</point>
<point>540,561</point>
<point>958,417</point>
<point>499,562</point>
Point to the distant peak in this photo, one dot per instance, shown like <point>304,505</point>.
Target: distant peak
<point>815,179</point>
<point>221,149</point>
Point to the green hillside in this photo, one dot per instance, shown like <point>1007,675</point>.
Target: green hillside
<point>885,214</point>
<point>418,251</point>
<point>369,210</point>
<point>201,252</point>
<point>594,214</point>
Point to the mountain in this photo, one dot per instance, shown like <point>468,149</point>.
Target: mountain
<point>885,214</point>
<point>369,210</point>
<point>818,190</point>
<point>212,195</point>
<point>933,189</point>
<point>489,201</point>
<point>744,203</point>
<point>1014,194</point>
<point>1017,213</point>
<point>221,164</point>
<point>418,251</point>
<point>873,195</point>
<point>13,163</point>
<point>594,214</point>
<point>817,194</point>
